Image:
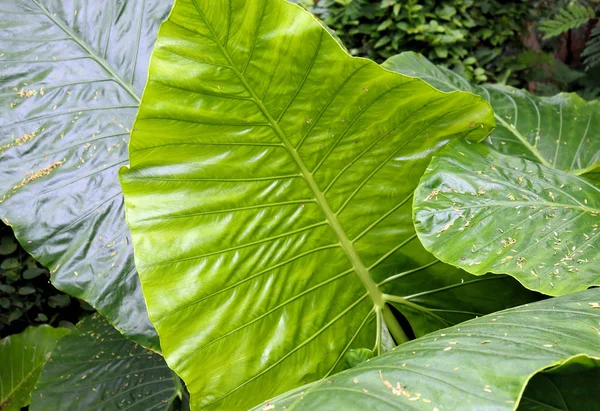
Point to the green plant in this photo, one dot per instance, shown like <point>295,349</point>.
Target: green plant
<point>270,202</point>
<point>570,17</point>
<point>69,106</point>
<point>26,295</point>
<point>573,16</point>
<point>465,35</point>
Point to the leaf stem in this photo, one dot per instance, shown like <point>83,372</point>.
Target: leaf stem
<point>393,325</point>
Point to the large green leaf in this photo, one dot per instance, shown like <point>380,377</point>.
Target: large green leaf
<point>96,368</point>
<point>22,357</point>
<point>488,212</point>
<point>570,386</point>
<point>483,364</point>
<point>558,131</point>
<point>269,198</point>
<point>72,74</point>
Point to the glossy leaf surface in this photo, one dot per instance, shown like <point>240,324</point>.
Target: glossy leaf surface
<point>71,76</point>
<point>571,386</point>
<point>22,357</point>
<point>559,131</point>
<point>488,212</point>
<point>96,368</point>
<point>483,364</point>
<point>269,198</point>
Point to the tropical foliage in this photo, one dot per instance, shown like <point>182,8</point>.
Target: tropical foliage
<point>282,197</point>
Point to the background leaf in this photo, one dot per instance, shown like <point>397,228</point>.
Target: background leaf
<point>556,131</point>
<point>481,364</point>
<point>488,212</point>
<point>72,74</point>
<point>22,357</point>
<point>570,386</point>
<point>269,198</point>
<point>96,368</point>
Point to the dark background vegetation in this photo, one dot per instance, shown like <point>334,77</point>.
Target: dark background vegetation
<point>543,46</point>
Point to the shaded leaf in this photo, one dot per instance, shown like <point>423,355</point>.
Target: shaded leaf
<point>488,212</point>
<point>570,386</point>
<point>22,357</point>
<point>72,76</point>
<point>7,245</point>
<point>96,368</point>
<point>481,364</point>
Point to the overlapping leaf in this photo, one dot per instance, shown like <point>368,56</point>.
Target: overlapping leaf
<point>559,131</point>
<point>71,76</point>
<point>22,357</point>
<point>478,365</point>
<point>488,212</point>
<point>571,386</point>
<point>96,368</point>
<point>269,198</point>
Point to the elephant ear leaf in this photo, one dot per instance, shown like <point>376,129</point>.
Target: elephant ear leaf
<point>95,368</point>
<point>484,212</point>
<point>482,364</point>
<point>269,196</point>
<point>555,131</point>
<point>72,76</point>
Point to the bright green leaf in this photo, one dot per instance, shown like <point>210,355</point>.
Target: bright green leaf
<point>95,368</point>
<point>72,76</point>
<point>556,131</point>
<point>483,364</point>
<point>269,198</point>
<point>22,357</point>
<point>484,212</point>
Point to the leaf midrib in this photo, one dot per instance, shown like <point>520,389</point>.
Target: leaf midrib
<point>345,243</point>
<point>97,58</point>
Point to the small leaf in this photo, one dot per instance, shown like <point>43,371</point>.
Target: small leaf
<point>31,273</point>
<point>10,264</point>
<point>356,356</point>
<point>41,317</point>
<point>58,301</point>
<point>26,290</point>
<point>9,289</point>
<point>8,245</point>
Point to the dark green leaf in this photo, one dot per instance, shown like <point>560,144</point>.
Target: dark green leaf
<point>72,74</point>
<point>33,272</point>
<point>9,289</point>
<point>7,245</point>
<point>26,290</point>
<point>96,368</point>
<point>570,386</point>
<point>60,300</point>
<point>10,264</point>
